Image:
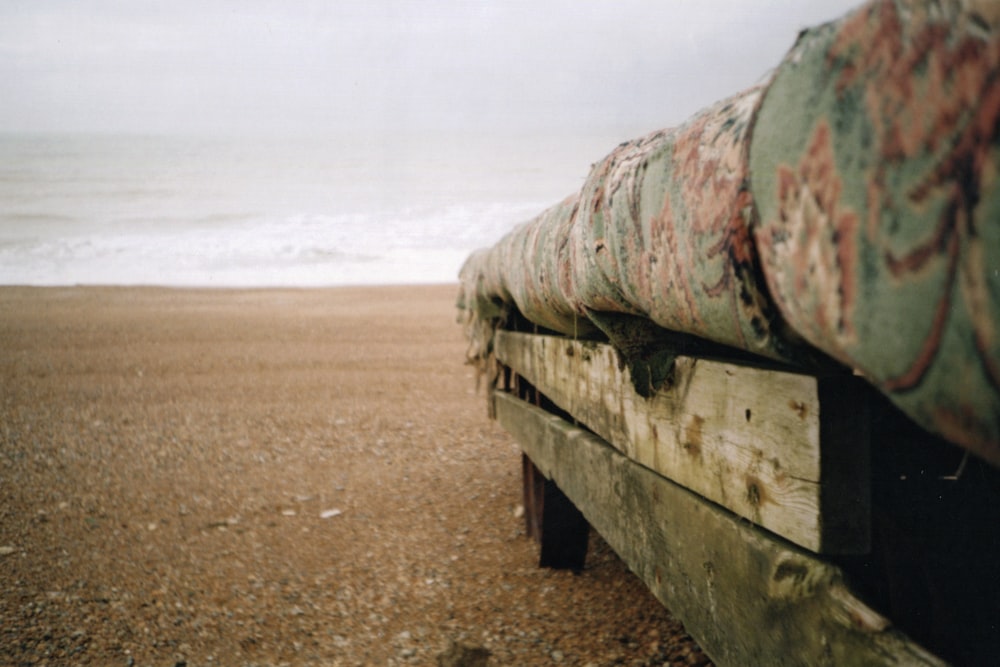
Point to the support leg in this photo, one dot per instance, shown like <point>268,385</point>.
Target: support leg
<point>553,521</point>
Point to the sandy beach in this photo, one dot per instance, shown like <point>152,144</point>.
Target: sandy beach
<point>265,477</point>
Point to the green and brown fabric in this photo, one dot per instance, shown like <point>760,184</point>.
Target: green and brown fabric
<point>849,209</point>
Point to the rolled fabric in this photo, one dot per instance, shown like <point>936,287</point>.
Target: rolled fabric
<point>660,230</point>
<point>664,232</point>
<point>848,209</point>
<point>874,165</point>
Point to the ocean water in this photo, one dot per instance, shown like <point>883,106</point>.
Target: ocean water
<point>183,211</point>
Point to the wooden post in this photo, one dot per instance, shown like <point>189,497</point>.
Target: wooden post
<point>553,521</point>
<point>534,496</point>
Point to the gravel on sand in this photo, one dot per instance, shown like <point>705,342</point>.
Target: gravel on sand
<point>268,477</point>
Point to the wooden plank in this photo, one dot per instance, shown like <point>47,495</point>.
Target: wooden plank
<point>749,598</point>
<point>785,450</point>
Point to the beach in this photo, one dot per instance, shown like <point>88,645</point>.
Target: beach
<point>276,476</point>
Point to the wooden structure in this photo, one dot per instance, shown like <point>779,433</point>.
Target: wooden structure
<point>747,438</point>
<point>731,492</point>
<point>769,369</point>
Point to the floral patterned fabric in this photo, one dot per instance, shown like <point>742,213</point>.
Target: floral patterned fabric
<point>849,209</point>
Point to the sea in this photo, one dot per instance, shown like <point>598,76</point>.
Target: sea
<point>106,209</point>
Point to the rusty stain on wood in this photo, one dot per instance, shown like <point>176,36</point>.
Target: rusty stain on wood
<point>692,435</point>
<point>756,493</point>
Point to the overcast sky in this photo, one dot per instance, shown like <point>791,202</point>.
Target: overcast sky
<point>620,66</point>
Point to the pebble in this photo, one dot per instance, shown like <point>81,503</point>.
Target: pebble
<point>459,655</point>
<point>413,556</point>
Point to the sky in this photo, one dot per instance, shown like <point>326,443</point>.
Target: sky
<point>615,67</point>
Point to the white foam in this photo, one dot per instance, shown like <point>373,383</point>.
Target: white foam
<point>408,246</point>
<point>170,211</point>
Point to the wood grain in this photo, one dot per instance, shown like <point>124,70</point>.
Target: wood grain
<point>748,597</point>
<point>787,451</point>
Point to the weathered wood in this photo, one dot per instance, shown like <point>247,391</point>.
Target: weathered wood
<point>785,450</point>
<point>748,598</point>
<point>533,482</point>
<point>553,521</point>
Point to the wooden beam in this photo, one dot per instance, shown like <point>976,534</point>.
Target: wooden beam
<point>785,450</point>
<point>749,598</point>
